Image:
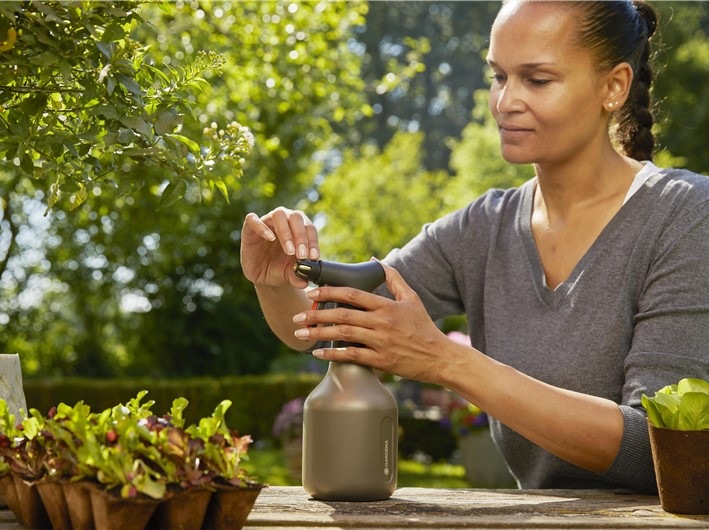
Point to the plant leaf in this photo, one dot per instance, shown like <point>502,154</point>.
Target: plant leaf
<point>173,193</point>
<point>653,412</point>
<point>221,186</point>
<point>191,144</point>
<point>693,411</point>
<point>692,385</point>
<point>668,406</point>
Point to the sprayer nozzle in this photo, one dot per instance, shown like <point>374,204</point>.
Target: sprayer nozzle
<point>365,276</point>
<point>307,269</point>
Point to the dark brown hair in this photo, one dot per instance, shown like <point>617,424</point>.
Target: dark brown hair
<point>618,32</point>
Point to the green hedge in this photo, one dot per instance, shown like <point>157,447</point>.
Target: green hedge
<point>256,400</point>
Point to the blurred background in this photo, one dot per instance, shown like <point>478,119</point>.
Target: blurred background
<point>122,198</point>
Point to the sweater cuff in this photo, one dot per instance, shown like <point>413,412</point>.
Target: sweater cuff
<point>633,465</point>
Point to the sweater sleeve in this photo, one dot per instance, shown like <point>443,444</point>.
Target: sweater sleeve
<point>671,331</point>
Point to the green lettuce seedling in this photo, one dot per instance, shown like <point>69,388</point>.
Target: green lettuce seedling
<point>684,406</point>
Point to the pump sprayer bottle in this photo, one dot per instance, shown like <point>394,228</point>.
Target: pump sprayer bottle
<point>350,420</point>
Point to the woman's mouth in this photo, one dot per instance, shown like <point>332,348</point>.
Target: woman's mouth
<point>512,132</point>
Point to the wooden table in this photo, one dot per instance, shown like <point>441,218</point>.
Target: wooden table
<point>290,508</point>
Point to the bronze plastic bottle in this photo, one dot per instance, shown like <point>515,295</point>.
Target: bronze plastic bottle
<point>350,420</point>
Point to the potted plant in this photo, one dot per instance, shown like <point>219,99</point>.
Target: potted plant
<point>127,467</point>
<point>288,430</point>
<point>188,479</point>
<point>8,433</point>
<point>118,459</point>
<point>68,467</point>
<point>234,492</point>
<point>483,463</point>
<point>678,423</point>
<point>25,454</point>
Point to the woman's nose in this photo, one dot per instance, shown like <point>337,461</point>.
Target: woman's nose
<point>508,98</point>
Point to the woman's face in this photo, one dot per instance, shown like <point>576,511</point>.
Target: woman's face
<point>546,95</point>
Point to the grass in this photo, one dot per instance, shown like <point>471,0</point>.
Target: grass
<point>268,465</point>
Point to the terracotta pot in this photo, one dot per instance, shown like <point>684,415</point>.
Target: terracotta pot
<point>9,493</point>
<point>34,515</point>
<point>183,510</point>
<point>52,495</point>
<point>78,502</point>
<point>682,469</point>
<point>112,512</point>
<point>230,506</point>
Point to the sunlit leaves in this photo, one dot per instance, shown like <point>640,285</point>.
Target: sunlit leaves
<point>683,406</point>
<point>378,200</point>
<point>84,105</point>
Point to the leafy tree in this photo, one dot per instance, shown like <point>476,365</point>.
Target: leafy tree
<point>681,90</point>
<point>83,105</point>
<point>438,101</point>
<point>117,287</point>
<point>377,200</point>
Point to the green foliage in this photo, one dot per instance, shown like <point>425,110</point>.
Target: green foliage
<point>377,200</point>
<point>680,90</point>
<point>127,449</point>
<point>265,394</point>
<point>114,287</point>
<point>120,96</point>
<point>438,100</point>
<point>84,106</point>
<point>289,75</point>
<point>421,436</point>
<point>223,450</point>
<point>683,406</point>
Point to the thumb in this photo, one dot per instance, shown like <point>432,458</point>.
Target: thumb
<point>397,285</point>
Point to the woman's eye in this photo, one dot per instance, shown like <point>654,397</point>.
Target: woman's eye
<point>539,81</point>
<point>499,78</point>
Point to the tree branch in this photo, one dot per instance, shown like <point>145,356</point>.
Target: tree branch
<point>44,90</point>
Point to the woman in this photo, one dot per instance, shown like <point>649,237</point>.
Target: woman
<point>584,288</point>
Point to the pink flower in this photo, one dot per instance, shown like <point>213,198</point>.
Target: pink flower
<point>460,338</point>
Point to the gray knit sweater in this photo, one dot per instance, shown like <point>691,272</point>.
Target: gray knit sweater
<point>632,317</point>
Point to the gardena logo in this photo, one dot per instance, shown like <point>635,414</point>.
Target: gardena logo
<point>386,458</point>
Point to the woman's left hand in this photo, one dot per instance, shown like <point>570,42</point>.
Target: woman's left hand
<point>397,335</point>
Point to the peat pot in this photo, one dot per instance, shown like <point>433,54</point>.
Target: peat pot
<point>682,469</point>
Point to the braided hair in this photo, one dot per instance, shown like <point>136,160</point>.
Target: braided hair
<point>617,32</point>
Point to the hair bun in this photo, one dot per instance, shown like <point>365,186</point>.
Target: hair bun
<point>647,13</point>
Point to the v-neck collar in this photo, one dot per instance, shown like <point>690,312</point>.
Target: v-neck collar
<point>555,297</point>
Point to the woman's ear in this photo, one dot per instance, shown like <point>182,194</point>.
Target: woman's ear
<point>616,86</point>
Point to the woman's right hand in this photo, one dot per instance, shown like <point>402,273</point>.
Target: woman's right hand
<point>271,244</point>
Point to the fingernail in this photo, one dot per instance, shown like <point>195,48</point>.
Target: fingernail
<point>313,293</point>
<point>314,254</point>
<point>318,353</point>
<point>302,251</point>
<point>300,317</point>
<point>302,333</point>
<point>269,235</point>
<point>290,249</point>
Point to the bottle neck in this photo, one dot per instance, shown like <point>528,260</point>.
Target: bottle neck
<point>346,368</point>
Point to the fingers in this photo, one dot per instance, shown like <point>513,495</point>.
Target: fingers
<point>253,222</point>
<point>296,233</point>
<point>352,354</point>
